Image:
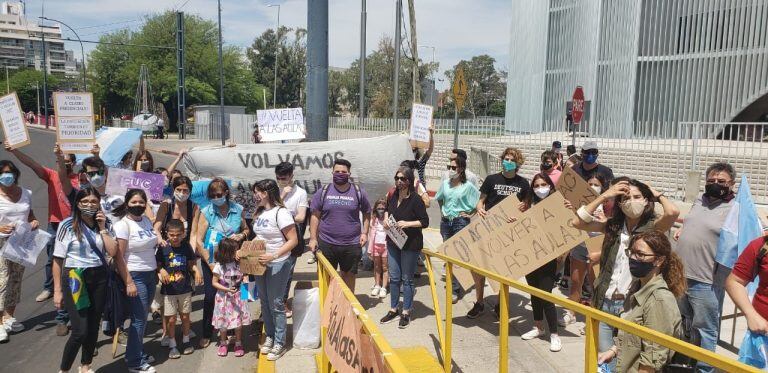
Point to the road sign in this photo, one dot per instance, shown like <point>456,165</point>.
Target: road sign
<point>459,88</point>
<point>578,105</point>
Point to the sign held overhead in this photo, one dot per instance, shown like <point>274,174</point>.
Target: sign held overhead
<point>14,126</point>
<point>281,124</point>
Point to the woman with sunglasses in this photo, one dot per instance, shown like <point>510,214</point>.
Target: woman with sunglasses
<point>223,218</point>
<point>658,281</point>
<point>408,211</point>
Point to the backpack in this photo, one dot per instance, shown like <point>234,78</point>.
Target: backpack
<point>357,191</point>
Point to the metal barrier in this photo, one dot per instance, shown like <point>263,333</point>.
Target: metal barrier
<point>593,318</point>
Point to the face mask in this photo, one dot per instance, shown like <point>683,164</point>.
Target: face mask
<point>590,158</point>
<point>453,174</point>
<point>96,180</point>
<point>714,190</point>
<point>597,189</point>
<point>546,166</point>
<point>340,179</point>
<point>7,179</point>
<point>640,269</point>
<point>380,212</point>
<point>90,211</point>
<point>633,209</point>
<point>509,166</point>
<point>145,166</point>
<point>136,210</point>
<point>219,201</point>
<point>181,197</point>
<point>542,192</point>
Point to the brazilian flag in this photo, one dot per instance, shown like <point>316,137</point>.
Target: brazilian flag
<point>77,287</point>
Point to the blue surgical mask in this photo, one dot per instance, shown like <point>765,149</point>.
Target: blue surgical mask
<point>590,158</point>
<point>7,178</point>
<point>96,180</point>
<point>219,201</point>
<point>509,166</point>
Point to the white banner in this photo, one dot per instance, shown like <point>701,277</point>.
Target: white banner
<point>280,124</point>
<point>421,119</point>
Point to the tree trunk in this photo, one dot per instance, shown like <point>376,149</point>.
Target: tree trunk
<point>414,52</point>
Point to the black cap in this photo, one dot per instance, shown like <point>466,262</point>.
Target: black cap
<point>557,144</point>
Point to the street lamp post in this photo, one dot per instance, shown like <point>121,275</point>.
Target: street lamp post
<point>431,91</point>
<point>221,80</point>
<point>82,50</point>
<point>277,53</point>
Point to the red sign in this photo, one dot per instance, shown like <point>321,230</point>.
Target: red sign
<point>577,111</point>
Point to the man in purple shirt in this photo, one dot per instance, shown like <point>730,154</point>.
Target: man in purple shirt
<point>335,226</point>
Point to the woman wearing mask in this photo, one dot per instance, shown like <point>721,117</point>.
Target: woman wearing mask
<point>79,256</point>
<point>179,206</point>
<point>408,210</point>
<point>652,302</point>
<point>144,162</point>
<point>136,243</point>
<point>633,213</point>
<point>221,219</point>
<point>543,278</point>
<point>377,249</point>
<point>15,209</point>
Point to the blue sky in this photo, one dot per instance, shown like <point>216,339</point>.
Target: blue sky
<point>459,29</point>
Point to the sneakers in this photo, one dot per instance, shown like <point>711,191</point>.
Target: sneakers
<point>186,348</point>
<point>567,319</point>
<point>312,260</point>
<point>44,296</point>
<point>174,353</point>
<point>12,325</point>
<point>62,329</point>
<point>375,290</point>
<point>476,310</point>
<point>391,315</point>
<point>554,343</point>
<point>267,346</point>
<point>144,368</point>
<point>532,334</point>
<point>222,351</point>
<point>165,341</point>
<point>239,351</point>
<point>276,352</point>
<point>383,292</point>
<point>454,298</point>
<point>157,318</point>
<point>405,320</point>
<point>3,335</point>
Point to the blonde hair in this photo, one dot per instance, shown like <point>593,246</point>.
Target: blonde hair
<point>516,154</point>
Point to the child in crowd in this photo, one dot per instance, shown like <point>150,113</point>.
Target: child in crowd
<point>377,249</point>
<point>176,262</point>
<point>230,311</point>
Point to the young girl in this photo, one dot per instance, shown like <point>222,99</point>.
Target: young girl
<point>377,249</point>
<point>230,312</point>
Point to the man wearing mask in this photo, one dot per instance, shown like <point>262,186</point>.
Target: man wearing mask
<point>335,226</point>
<point>295,200</point>
<point>697,242</point>
<point>589,166</point>
<point>550,165</point>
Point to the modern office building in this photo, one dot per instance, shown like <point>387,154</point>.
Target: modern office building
<point>645,65</point>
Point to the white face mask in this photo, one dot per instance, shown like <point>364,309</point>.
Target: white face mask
<point>181,197</point>
<point>542,192</point>
<point>452,174</point>
<point>597,189</point>
<point>633,208</point>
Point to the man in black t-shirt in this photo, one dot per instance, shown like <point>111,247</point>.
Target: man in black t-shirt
<point>589,166</point>
<point>494,189</point>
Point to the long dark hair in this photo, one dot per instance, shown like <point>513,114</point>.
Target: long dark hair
<point>672,269</point>
<point>148,155</point>
<point>179,180</point>
<point>270,187</point>
<point>76,213</point>
<point>409,179</point>
<point>532,195</point>
<point>12,169</point>
<point>616,222</point>
<point>122,210</point>
<point>462,164</point>
<point>225,253</point>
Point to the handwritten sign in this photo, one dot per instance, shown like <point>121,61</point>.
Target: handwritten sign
<point>14,126</point>
<point>250,252</point>
<point>25,245</point>
<point>373,361</point>
<point>119,181</point>
<point>281,124</point>
<point>75,123</point>
<point>575,189</point>
<point>342,333</point>
<point>421,119</point>
<point>395,233</point>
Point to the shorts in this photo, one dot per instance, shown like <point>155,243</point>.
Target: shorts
<point>177,304</point>
<point>378,250</point>
<point>580,253</point>
<point>343,257</point>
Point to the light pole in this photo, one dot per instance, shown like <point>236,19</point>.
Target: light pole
<point>363,19</point>
<point>277,53</point>
<point>82,50</point>
<point>431,91</point>
<point>396,88</point>
<point>37,90</point>
<point>221,80</point>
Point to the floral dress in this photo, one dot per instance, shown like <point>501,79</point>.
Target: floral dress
<point>229,311</point>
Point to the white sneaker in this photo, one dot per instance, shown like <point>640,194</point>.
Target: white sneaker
<point>3,335</point>
<point>532,334</point>
<point>375,291</point>
<point>12,325</point>
<point>383,292</point>
<point>567,319</point>
<point>267,346</point>
<point>554,343</point>
<point>312,260</point>
<point>165,341</point>
<point>276,352</point>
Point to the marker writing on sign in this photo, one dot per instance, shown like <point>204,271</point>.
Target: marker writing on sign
<point>343,345</point>
<point>302,162</point>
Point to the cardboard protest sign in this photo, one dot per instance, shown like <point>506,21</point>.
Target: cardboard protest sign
<point>75,124</point>
<point>281,124</point>
<point>342,338</point>
<point>575,189</point>
<point>395,233</point>
<point>373,361</point>
<point>421,119</point>
<point>250,252</point>
<point>14,125</point>
<point>120,181</point>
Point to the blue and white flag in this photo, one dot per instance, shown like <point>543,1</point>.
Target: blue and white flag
<point>114,143</point>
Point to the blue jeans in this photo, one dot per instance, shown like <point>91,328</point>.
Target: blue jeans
<point>62,317</point>
<point>448,228</point>
<point>402,265</point>
<point>292,260</point>
<point>606,332</point>
<point>271,287</point>
<point>139,308</point>
<point>701,305</point>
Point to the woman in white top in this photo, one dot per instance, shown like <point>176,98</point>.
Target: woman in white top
<point>136,243</point>
<point>15,209</point>
<point>79,262</point>
<point>274,225</point>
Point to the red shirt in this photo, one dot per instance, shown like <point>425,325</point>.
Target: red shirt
<point>745,270</point>
<point>58,205</point>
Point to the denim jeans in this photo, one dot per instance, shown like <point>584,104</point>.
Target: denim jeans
<point>271,287</point>
<point>402,265</point>
<point>48,284</point>
<point>701,305</point>
<point>607,332</point>
<point>139,308</point>
<point>292,260</point>
<point>448,228</point>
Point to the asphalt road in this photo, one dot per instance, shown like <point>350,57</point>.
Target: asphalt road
<point>38,349</point>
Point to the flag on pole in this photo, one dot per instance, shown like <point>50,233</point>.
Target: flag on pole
<point>77,287</point>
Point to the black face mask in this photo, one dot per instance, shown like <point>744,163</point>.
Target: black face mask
<point>136,210</point>
<point>546,166</point>
<point>715,190</point>
<point>639,269</point>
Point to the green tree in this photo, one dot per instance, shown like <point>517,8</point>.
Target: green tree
<point>486,87</point>
<point>291,54</point>
<point>25,82</point>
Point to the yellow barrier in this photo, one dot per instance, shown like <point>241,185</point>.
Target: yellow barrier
<point>593,317</point>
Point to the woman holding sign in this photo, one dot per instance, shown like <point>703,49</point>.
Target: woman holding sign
<point>406,209</point>
<point>222,218</point>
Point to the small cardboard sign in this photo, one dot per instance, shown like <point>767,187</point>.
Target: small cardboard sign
<point>281,124</point>
<point>75,123</point>
<point>342,338</point>
<point>14,125</point>
<point>119,181</point>
<point>395,233</point>
<point>421,119</point>
<point>250,252</point>
<point>575,189</point>
<point>373,361</point>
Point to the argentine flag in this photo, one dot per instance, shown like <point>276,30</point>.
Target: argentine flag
<point>114,143</point>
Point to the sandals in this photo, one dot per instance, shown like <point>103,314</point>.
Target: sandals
<point>239,351</point>
<point>222,350</point>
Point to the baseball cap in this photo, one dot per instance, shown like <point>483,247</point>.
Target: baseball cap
<point>589,145</point>
<point>557,145</point>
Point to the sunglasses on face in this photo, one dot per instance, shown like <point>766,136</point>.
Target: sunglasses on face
<point>400,178</point>
<point>449,167</point>
<point>94,173</point>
